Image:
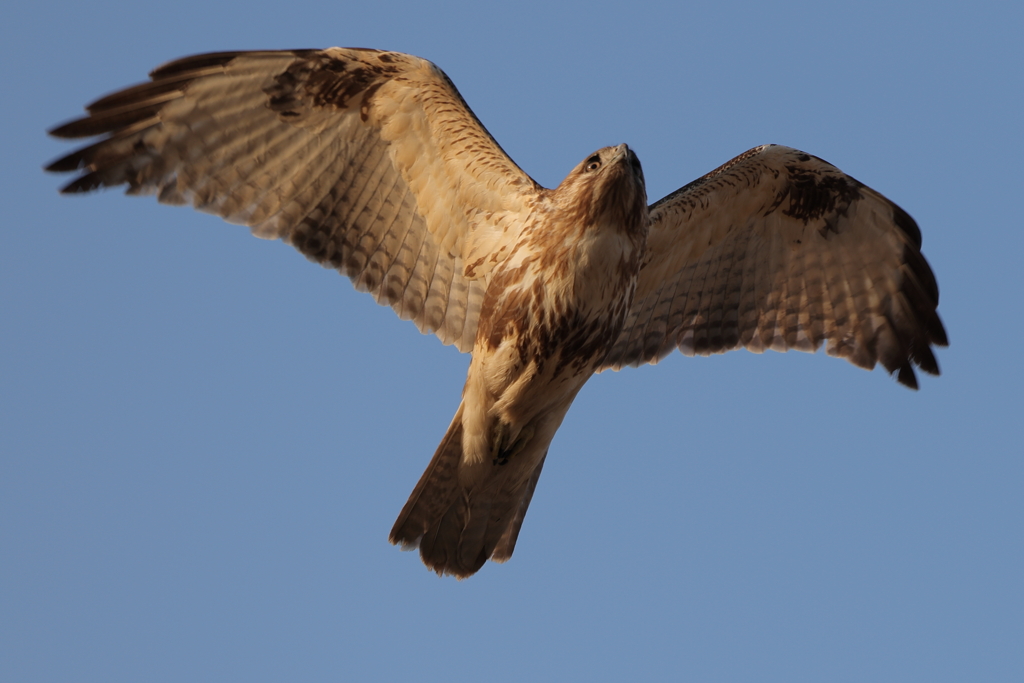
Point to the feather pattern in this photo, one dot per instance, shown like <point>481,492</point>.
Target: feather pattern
<point>780,250</point>
<point>343,153</point>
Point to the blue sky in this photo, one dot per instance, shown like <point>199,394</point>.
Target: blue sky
<point>204,439</point>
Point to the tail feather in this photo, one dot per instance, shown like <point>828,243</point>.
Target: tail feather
<point>507,542</point>
<point>459,525</point>
<point>439,482</point>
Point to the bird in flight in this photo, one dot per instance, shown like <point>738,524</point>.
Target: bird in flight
<point>371,163</point>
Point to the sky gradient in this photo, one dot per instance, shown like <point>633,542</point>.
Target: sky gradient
<point>205,439</point>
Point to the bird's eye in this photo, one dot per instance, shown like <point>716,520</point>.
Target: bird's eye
<point>593,163</point>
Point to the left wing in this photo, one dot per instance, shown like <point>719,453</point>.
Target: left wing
<point>780,250</point>
<point>369,162</point>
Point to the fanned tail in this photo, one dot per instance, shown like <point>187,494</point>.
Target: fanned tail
<point>459,522</point>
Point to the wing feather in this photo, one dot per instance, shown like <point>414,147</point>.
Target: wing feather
<point>368,162</point>
<point>780,250</point>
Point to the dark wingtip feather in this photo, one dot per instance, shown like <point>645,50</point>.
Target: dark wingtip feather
<point>927,318</point>
<point>87,183</point>
<point>66,163</point>
<point>906,376</point>
<point>922,294</point>
<point>925,360</point>
<point>907,224</point>
<point>65,130</point>
<point>922,271</point>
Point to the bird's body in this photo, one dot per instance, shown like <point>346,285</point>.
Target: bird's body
<point>371,163</point>
<point>550,314</point>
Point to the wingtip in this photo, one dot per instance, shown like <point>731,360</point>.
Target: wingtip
<point>906,376</point>
<point>86,183</point>
<point>61,130</point>
<point>405,545</point>
<point>65,164</point>
<point>939,336</point>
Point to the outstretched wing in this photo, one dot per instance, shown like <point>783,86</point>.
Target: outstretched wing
<point>368,162</point>
<point>780,250</point>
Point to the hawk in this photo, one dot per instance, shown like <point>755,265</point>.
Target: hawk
<point>371,163</point>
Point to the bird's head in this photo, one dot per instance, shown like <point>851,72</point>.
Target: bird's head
<point>607,188</point>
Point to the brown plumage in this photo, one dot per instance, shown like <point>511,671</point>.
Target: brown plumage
<point>371,163</point>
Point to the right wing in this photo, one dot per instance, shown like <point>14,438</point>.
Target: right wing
<point>778,249</point>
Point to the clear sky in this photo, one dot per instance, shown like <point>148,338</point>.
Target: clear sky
<point>204,439</point>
